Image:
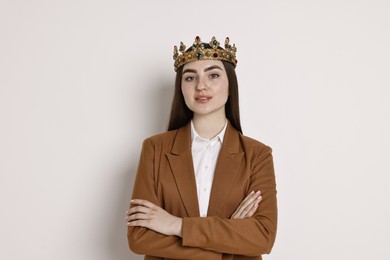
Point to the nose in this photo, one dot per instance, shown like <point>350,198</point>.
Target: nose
<point>201,85</point>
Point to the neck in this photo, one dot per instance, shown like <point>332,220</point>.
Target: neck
<point>208,126</point>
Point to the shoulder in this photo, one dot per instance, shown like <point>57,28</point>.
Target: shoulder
<point>161,138</point>
<point>175,141</point>
<point>237,142</point>
<point>251,145</point>
<point>256,153</point>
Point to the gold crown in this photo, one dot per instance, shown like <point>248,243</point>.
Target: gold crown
<point>198,51</point>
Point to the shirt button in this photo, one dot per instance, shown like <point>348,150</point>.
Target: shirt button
<point>206,167</point>
<point>204,189</point>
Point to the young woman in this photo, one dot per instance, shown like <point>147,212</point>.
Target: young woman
<point>199,186</point>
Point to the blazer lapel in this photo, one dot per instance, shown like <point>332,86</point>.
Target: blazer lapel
<point>226,170</point>
<point>180,160</point>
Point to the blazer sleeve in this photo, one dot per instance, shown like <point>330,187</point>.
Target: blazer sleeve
<point>148,242</point>
<point>249,236</point>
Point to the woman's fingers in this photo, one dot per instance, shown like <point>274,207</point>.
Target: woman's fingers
<point>255,205</point>
<point>242,202</point>
<point>238,208</point>
<point>248,196</point>
<point>146,214</point>
<point>145,203</point>
<point>138,209</point>
<point>247,203</point>
<point>138,216</point>
<point>247,209</point>
<point>143,210</point>
<point>248,206</point>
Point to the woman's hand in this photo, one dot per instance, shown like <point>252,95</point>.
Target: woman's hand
<point>146,214</point>
<point>248,206</point>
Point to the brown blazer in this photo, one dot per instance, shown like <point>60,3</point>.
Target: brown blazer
<point>166,178</point>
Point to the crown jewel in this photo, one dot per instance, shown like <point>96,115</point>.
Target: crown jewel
<point>198,51</point>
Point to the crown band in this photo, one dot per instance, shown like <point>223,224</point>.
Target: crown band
<point>198,51</point>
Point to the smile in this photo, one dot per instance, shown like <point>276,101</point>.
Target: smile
<point>202,99</point>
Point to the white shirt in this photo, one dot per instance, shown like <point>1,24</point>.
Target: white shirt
<point>204,156</point>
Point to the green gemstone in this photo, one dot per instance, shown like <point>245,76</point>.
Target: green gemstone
<point>198,55</point>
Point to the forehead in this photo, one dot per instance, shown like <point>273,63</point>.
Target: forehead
<point>203,64</point>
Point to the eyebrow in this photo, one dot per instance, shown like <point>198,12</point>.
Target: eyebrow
<point>212,67</point>
<point>205,70</point>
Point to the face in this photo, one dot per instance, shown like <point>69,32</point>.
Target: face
<point>205,87</point>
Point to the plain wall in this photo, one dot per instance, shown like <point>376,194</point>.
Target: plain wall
<point>82,83</point>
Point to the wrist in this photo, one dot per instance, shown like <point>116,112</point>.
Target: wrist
<point>178,227</point>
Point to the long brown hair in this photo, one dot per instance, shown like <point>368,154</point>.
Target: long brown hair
<point>181,114</point>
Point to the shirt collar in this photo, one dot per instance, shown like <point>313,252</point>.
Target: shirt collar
<point>218,137</point>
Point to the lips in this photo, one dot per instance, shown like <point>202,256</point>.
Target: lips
<point>202,98</point>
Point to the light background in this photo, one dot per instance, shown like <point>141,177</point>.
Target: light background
<point>82,83</point>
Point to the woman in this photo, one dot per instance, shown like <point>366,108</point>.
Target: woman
<point>197,190</point>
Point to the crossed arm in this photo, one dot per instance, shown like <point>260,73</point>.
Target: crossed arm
<point>148,215</point>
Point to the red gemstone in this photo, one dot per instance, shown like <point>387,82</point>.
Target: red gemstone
<point>215,55</point>
<point>197,38</point>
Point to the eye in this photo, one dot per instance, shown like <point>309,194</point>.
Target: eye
<point>189,78</point>
<point>214,76</point>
